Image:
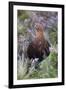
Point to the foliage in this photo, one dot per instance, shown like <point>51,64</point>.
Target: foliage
<point>48,68</point>
<point>22,14</point>
<point>21,30</point>
<point>53,36</point>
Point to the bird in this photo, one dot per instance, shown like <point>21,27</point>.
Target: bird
<point>38,49</point>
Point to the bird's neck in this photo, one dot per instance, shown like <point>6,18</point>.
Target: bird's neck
<point>39,35</point>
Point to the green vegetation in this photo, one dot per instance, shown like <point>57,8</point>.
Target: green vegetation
<point>22,15</point>
<point>53,36</point>
<point>48,68</point>
<point>21,30</point>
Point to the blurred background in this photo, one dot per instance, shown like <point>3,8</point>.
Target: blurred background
<point>26,20</point>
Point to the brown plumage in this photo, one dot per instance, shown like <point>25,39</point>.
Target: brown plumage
<point>39,47</point>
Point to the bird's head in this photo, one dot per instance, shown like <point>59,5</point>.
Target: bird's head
<point>38,27</point>
<point>39,30</point>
